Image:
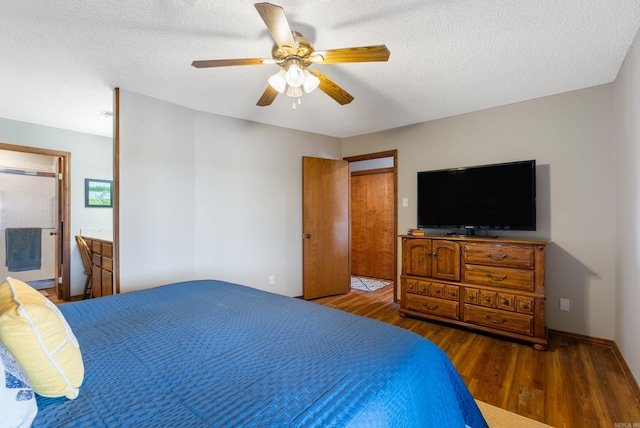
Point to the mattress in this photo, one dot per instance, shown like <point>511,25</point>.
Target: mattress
<point>215,354</point>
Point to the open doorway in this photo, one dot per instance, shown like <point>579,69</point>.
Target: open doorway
<point>34,205</point>
<point>373,214</point>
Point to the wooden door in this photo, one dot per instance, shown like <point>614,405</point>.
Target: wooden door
<point>359,243</point>
<point>372,225</point>
<point>380,230</point>
<point>325,227</point>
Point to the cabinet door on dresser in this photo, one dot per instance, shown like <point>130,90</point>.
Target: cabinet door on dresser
<point>432,258</point>
<point>416,254</point>
<point>445,260</point>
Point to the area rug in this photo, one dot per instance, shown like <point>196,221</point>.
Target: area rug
<point>42,283</point>
<point>500,418</point>
<point>367,284</point>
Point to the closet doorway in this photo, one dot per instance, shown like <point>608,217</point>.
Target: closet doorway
<point>373,215</point>
<point>34,195</point>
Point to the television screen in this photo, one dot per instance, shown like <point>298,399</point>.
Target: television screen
<point>497,196</point>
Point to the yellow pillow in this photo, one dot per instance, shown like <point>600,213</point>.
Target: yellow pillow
<point>38,336</point>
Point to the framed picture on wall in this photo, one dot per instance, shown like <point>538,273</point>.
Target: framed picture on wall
<point>98,193</point>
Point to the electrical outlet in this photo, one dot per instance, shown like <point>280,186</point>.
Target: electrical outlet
<point>272,279</point>
<point>564,305</point>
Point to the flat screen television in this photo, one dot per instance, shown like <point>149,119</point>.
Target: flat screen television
<point>498,197</point>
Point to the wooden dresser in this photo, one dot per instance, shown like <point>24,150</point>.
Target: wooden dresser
<point>488,284</point>
<point>102,258</point>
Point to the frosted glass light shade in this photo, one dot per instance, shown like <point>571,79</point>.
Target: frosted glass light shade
<point>310,82</point>
<point>294,76</point>
<point>278,81</point>
<point>294,91</point>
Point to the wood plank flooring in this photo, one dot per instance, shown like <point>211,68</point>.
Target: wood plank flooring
<point>575,383</point>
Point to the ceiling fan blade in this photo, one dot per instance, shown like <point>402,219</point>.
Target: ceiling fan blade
<point>267,97</point>
<point>228,62</point>
<point>330,88</point>
<point>361,54</point>
<point>277,24</point>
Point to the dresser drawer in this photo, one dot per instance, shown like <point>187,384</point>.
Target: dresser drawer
<point>506,301</point>
<point>437,290</point>
<point>424,288</point>
<point>514,256</point>
<point>471,295</point>
<point>430,305</point>
<point>488,298</point>
<point>519,279</point>
<point>494,318</point>
<point>451,292</point>
<point>107,250</point>
<point>410,285</point>
<point>524,304</point>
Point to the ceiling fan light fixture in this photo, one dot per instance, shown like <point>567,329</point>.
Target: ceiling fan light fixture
<point>294,91</point>
<point>310,82</point>
<point>278,81</point>
<point>295,76</point>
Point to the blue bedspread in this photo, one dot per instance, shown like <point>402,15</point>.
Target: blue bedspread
<point>216,354</point>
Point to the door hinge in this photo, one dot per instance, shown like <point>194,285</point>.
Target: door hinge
<point>60,176</point>
<point>59,280</point>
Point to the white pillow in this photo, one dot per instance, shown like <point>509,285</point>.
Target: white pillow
<point>17,400</point>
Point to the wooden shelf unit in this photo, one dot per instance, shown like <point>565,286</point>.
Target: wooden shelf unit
<point>102,258</point>
<point>492,285</point>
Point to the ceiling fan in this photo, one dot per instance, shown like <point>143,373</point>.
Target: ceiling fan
<point>295,55</point>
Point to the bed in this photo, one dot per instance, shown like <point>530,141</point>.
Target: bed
<point>215,354</point>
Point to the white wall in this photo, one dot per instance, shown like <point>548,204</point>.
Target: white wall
<point>157,192</point>
<point>570,136</point>
<point>91,157</point>
<point>627,125</point>
<point>249,201</point>
<point>206,196</point>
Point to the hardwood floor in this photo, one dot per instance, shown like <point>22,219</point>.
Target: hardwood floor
<point>575,383</point>
<point>51,295</point>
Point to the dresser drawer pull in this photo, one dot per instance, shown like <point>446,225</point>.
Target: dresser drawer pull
<point>495,278</point>
<point>502,321</point>
<point>525,307</point>
<point>452,293</point>
<point>431,308</point>
<point>497,258</point>
<point>505,302</point>
<point>487,299</point>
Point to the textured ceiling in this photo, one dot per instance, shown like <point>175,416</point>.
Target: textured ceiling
<point>60,60</point>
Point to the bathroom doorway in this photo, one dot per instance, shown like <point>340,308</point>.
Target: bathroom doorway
<point>34,209</point>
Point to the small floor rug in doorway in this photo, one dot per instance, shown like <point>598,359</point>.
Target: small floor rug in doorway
<point>367,284</point>
<point>42,283</point>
